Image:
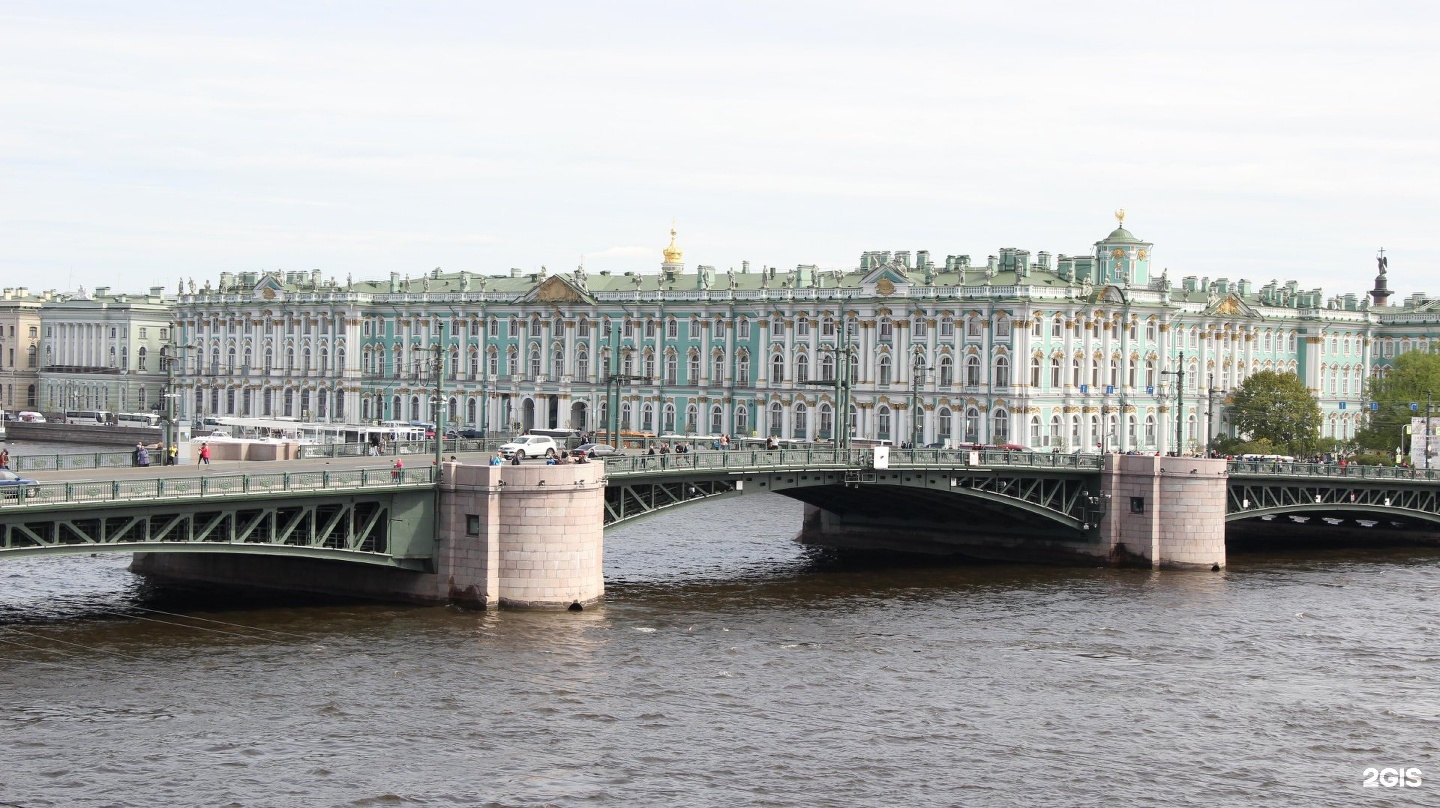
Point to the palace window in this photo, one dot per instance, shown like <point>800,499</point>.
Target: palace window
<point>947,326</point>
<point>947,371</point>
<point>884,367</point>
<point>1002,327</point>
<point>1002,371</point>
<point>802,369</point>
<point>972,371</point>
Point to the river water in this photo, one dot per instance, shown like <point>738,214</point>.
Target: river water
<point>732,666</point>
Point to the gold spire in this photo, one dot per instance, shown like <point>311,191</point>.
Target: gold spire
<point>673,254</point>
<point>1120,216</point>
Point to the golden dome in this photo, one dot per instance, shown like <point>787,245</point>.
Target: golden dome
<point>673,254</point>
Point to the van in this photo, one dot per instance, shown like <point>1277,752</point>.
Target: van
<point>89,417</point>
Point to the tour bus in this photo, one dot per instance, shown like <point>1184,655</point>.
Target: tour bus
<point>89,417</point>
<point>137,419</point>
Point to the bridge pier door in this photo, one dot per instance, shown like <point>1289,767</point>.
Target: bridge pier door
<point>1168,512</point>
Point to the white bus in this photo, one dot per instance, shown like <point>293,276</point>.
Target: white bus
<point>89,417</point>
<point>137,419</point>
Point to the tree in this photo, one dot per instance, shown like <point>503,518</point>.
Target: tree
<point>1414,374</point>
<point>1277,408</point>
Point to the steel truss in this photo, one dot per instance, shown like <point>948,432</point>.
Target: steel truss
<point>1251,499</point>
<point>327,528</point>
<point>1072,500</point>
<point>626,500</point>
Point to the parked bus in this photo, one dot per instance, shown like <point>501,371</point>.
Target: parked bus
<point>137,419</point>
<point>564,438</point>
<point>89,417</point>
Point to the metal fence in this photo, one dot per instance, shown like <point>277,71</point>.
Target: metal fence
<point>65,462</point>
<point>819,458</point>
<point>213,485</point>
<point>413,447</point>
<point>1350,470</point>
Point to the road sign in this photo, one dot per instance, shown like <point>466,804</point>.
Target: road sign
<point>1084,388</point>
<point>1149,391</point>
<point>1414,407</point>
<point>1374,405</point>
<point>1109,389</point>
<point>1342,405</point>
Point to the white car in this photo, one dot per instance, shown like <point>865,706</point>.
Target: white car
<point>530,446</point>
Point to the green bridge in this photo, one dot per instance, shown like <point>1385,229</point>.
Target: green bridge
<point>1165,511</point>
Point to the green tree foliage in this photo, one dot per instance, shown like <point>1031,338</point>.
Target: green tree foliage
<point>1413,374</point>
<point>1279,409</point>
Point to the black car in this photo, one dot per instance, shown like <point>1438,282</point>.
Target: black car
<point>466,434</point>
<point>599,450</point>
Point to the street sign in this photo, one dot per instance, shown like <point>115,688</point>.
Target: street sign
<point>1342,405</point>
<point>1149,391</point>
<point>1109,389</point>
<point>1374,405</point>
<point>1084,388</point>
<point>1414,407</point>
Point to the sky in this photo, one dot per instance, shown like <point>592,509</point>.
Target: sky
<point>146,141</point>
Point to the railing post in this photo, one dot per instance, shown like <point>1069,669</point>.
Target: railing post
<point>69,492</point>
<point>115,489</point>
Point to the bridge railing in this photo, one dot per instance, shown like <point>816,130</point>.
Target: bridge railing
<point>217,485</point>
<point>411,447</point>
<point>1351,471</point>
<point>811,457</point>
<point>64,462</point>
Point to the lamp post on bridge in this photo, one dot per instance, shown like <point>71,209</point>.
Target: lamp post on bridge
<point>437,367</point>
<point>842,384</point>
<point>613,382</point>
<point>171,354</point>
<point>917,373</point>
<point>1179,394</point>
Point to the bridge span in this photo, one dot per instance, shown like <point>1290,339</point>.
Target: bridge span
<point>533,535</point>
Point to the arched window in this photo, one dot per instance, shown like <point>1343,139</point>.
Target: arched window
<point>1115,371</point>
<point>692,418</point>
<point>827,368</point>
<point>947,326</point>
<point>742,420</point>
<point>1075,372</point>
<point>557,360</point>
<point>647,417</point>
<point>942,424</point>
<point>667,418</point>
<point>886,329</point>
<point>1002,371</point>
<point>802,369</point>
<point>692,369</point>
<point>1149,372</point>
<point>947,371</point>
<point>1035,371</point>
<point>140,355</point>
<point>717,367</point>
<point>884,376</point>
<point>1035,438</point>
<point>972,425</point>
<point>672,328</point>
<point>1002,327</point>
<point>777,418</point>
<point>742,369</point>
<point>882,422</point>
<point>777,368</point>
<point>534,362</point>
<point>801,420</point>
<point>717,420</point>
<point>1055,373</point>
<point>972,371</point>
<point>672,367</point>
<point>827,423</point>
<point>1053,439</point>
<point>1149,430</point>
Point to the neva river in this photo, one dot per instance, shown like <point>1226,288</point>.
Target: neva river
<point>731,666</point>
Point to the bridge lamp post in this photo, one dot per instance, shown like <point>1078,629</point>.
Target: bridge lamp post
<point>613,383</point>
<point>437,367</point>
<point>1179,393</point>
<point>842,383</point>
<point>171,354</point>
<point>917,374</point>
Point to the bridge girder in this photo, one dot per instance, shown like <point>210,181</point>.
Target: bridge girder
<point>1068,500</point>
<point>1253,499</point>
<point>356,529</point>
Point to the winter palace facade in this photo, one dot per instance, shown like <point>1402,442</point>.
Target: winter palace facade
<point>1058,352</point>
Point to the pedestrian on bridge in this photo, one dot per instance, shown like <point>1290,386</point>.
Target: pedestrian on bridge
<point>205,454</point>
<point>398,470</point>
<point>4,458</point>
<point>142,456</point>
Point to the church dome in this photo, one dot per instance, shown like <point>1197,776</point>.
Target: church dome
<point>1122,235</point>
<point>673,254</point>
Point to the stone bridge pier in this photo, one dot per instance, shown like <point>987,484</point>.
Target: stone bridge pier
<point>1168,512</point>
<point>527,536</point>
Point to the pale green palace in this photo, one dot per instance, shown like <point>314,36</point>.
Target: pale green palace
<point>1060,352</point>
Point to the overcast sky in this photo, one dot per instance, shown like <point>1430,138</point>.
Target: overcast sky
<point>144,141</point>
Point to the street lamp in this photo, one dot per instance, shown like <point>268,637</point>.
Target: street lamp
<point>917,373</point>
<point>437,367</point>
<point>842,384</point>
<point>170,355</point>
<point>613,383</point>
<point>1179,374</point>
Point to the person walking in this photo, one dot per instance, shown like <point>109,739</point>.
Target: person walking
<point>205,454</point>
<point>4,458</point>
<point>135,453</point>
<point>397,471</point>
<point>142,456</point>
<point>172,457</point>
